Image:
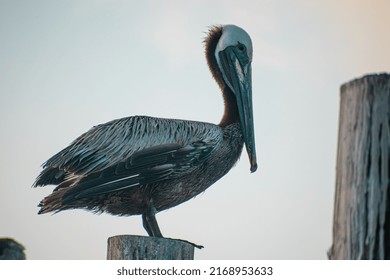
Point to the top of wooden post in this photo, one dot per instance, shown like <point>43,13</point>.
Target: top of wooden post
<point>134,247</point>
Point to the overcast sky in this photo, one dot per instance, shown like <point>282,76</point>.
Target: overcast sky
<point>68,65</point>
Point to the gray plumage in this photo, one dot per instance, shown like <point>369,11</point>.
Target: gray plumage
<point>11,250</point>
<point>123,154</point>
<point>143,165</point>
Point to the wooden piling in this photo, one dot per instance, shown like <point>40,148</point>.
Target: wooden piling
<point>11,250</point>
<point>133,247</point>
<point>361,225</point>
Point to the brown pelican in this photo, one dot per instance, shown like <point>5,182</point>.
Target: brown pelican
<point>142,165</point>
<point>11,250</point>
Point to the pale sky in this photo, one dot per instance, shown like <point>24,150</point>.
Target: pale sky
<point>68,65</point>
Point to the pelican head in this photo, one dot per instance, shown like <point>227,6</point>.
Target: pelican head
<point>233,58</point>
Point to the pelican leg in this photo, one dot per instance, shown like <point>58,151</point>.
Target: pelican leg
<point>150,223</point>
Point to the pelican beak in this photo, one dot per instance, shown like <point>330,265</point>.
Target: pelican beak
<point>237,73</point>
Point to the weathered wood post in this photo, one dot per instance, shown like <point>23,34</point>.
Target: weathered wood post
<point>361,225</point>
<point>133,247</point>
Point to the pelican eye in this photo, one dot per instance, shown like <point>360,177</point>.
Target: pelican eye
<point>241,47</point>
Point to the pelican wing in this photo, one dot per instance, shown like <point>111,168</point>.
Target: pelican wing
<point>129,152</point>
<point>151,165</point>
